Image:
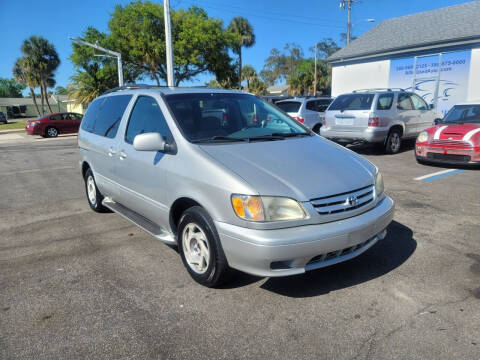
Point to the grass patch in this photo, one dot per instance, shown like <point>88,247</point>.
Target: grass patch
<point>13,125</point>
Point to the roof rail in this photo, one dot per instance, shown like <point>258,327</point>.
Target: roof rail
<point>132,86</point>
<point>378,89</point>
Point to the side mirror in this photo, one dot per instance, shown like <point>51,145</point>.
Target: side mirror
<point>437,121</point>
<point>431,106</point>
<point>149,142</point>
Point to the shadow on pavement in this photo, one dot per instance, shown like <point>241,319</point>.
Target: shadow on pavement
<point>383,257</point>
<point>377,149</point>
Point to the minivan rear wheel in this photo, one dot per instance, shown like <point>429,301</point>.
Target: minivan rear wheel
<point>393,142</point>
<point>94,196</point>
<point>200,248</point>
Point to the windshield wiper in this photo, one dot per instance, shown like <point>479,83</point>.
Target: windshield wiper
<point>220,138</point>
<point>291,134</point>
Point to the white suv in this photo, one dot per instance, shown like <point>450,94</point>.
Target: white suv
<point>307,110</point>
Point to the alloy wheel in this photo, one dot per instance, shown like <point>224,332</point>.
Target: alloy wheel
<point>196,248</point>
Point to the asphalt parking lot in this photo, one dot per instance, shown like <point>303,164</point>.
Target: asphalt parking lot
<point>76,284</point>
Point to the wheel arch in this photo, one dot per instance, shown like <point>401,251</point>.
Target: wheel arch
<point>178,207</point>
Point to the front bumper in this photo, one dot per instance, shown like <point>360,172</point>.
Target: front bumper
<point>369,134</point>
<point>447,155</point>
<point>291,251</point>
<point>33,130</point>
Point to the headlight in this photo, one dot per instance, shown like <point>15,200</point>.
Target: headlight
<point>379,184</point>
<point>422,137</point>
<point>267,208</point>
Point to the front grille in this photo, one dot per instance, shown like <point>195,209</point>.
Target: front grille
<point>449,157</point>
<point>344,202</point>
<point>335,254</point>
<point>452,143</point>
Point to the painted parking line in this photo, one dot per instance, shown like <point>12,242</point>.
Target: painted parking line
<point>438,175</point>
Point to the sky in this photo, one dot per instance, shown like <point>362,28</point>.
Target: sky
<point>275,23</point>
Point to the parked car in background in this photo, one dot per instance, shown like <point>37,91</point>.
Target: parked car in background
<point>274,98</point>
<point>382,116</point>
<point>54,124</point>
<point>307,110</point>
<point>3,118</point>
<point>193,168</point>
<point>454,140</point>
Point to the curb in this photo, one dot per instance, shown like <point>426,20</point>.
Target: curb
<point>4,132</point>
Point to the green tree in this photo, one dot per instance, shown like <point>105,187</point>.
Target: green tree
<point>24,73</point>
<point>45,60</point>
<point>200,43</point>
<point>249,74</point>
<point>280,65</point>
<point>11,88</point>
<point>257,87</point>
<point>96,74</point>
<point>244,37</point>
<point>60,90</point>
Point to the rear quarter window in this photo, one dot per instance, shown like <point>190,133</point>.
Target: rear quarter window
<point>385,101</point>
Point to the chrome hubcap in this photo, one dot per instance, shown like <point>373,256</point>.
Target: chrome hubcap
<point>195,248</point>
<point>395,142</point>
<point>91,190</point>
<point>52,132</point>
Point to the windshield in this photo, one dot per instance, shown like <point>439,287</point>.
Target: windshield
<point>352,102</point>
<point>463,114</point>
<point>289,106</point>
<point>213,117</point>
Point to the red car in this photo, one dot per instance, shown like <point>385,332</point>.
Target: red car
<point>54,124</point>
<point>455,140</point>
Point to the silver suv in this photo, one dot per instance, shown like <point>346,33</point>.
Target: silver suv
<point>384,116</point>
<point>307,110</point>
<point>229,179</point>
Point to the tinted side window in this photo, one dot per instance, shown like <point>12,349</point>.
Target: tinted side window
<point>56,117</point>
<point>110,114</point>
<point>404,102</point>
<point>88,121</point>
<point>322,105</point>
<point>385,101</point>
<point>418,102</point>
<point>146,117</point>
<point>312,105</point>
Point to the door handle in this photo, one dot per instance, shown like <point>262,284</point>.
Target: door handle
<point>122,155</point>
<point>111,151</point>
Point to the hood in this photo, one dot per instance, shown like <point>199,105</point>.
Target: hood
<point>300,168</point>
<point>459,132</point>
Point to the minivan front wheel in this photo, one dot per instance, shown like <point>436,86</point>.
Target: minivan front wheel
<point>94,196</point>
<point>393,142</point>
<point>200,248</point>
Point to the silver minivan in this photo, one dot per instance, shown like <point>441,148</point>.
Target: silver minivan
<point>230,180</point>
<point>382,116</point>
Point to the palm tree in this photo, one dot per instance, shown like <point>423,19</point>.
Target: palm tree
<point>43,56</point>
<point>22,72</point>
<point>248,74</point>
<point>243,31</point>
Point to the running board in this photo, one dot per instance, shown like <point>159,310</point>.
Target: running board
<point>149,226</point>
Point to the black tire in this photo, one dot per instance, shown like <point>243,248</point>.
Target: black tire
<point>51,132</point>
<point>393,143</point>
<point>316,129</point>
<point>96,203</point>
<point>217,271</point>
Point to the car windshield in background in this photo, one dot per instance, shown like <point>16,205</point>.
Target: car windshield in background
<point>463,114</point>
<point>222,117</point>
<point>352,102</point>
<point>289,106</point>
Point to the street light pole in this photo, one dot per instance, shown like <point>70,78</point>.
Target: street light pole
<point>109,52</point>
<point>168,42</point>
<point>315,78</point>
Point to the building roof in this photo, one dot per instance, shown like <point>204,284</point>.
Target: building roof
<point>277,89</point>
<point>448,26</point>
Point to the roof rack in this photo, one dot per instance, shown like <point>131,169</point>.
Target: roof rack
<point>132,86</point>
<point>378,89</point>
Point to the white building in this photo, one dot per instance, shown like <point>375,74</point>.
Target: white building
<point>406,52</point>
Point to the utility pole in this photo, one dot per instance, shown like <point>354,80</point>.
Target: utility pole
<point>315,78</point>
<point>168,42</point>
<point>348,5</point>
<point>109,52</point>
